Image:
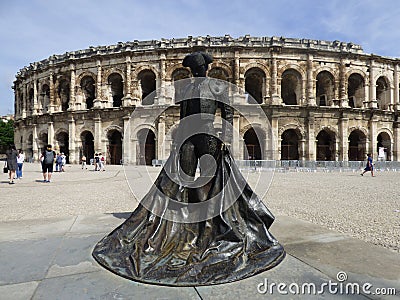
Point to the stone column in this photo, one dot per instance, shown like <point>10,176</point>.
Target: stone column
<point>126,101</point>
<point>35,146</point>
<point>275,98</point>
<point>97,101</point>
<point>302,154</point>
<point>97,133</point>
<point>35,96</point>
<point>73,151</point>
<point>372,87</point>
<point>52,105</point>
<point>160,97</point>
<point>126,156</point>
<point>344,138</point>
<point>373,136</point>
<point>236,136</point>
<point>50,133</point>
<point>311,138</point>
<point>23,97</point>
<point>310,82</point>
<point>396,88</point>
<point>396,141</point>
<point>236,73</point>
<point>275,138</point>
<point>161,137</point>
<point>343,97</point>
<point>71,104</point>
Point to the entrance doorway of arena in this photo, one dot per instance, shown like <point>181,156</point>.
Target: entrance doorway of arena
<point>384,146</point>
<point>357,145</point>
<point>87,147</point>
<point>147,147</point>
<point>114,147</point>
<point>253,149</point>
<point>63,144</point>
<point>290,145</point>
<point>43,141</point>
<point>326,145</point>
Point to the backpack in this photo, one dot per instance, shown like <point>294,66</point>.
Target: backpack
<point>48,157</point>
<point>59,159</point>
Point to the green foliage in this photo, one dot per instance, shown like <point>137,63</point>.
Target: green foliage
<point>6,135</point>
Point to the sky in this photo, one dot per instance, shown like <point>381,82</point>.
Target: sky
<point>34,30</point>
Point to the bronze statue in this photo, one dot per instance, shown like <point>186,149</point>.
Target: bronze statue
<point>191,231</point>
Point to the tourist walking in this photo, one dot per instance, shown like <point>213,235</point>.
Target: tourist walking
<point>20,162</point>
<point>12,154</point>
<point>58,162</point>
<point>369,166</point>
<point>102,162</point>
<point>48,157</point>
<point>63,161</point>
<point>96,162</point>
<point>83,160</point>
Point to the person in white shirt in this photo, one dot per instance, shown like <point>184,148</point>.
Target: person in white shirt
<point>20,162</point>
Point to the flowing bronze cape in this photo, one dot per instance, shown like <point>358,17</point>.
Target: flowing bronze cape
<point>230,246</point>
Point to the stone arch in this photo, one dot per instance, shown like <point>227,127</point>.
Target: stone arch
<point>255,84</point>
<point>112,128</point>
<point>290,144</point>
<point>114,144</point>
<point>326,145</point>
<point>147,80</point>
<point>356,89</point>
<point>384,140</point>
<point>87,144</point>
<point>88,87</point>
<point>325,88</point>
<point>43,138</point>
<point>295,67</point>
<point>172,69</point>
<point>142,67</point>
<point>218,73</point>
<point>297,127</point>
<point>291,87</point>
<point>146,144</point>
<point>254,137</point>
<point>383,94</point>
<point>258,65</point>
<point>357,143</point>
<point>115,84</point>
<point>44,95</point>
<point>63,92</point>
<point>84,74</point>
<point>226,69</point>
<point>111,71</point>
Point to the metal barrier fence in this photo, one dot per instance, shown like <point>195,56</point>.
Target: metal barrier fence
<point>314,166</point>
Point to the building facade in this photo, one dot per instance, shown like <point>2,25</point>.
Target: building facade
<point>325,101</point>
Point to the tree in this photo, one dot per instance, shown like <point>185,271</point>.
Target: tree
<point>6,134</point>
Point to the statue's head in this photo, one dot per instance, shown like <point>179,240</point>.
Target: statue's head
<point>198,63</point>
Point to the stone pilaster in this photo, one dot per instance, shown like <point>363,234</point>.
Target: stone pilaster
<point>275,98</point>
<point>97,133</point>
<point>396,88</point>
<point>126,101</point>
<point>310,81</point>
<point>236,136</point>
<point>71,104</point>
<point>97,102</point>
<point>372,87</point>
<point>343,97</point>
<point>127,158</point>
<point>161,137</point>
<point>275,138</point>
<point>311,137</point>
<point>52,105</point>
<point>73,151</point>
<point>50,133</point>
<point>343,136</point>
<point>396,141</point>
<point>372,124</point>
<point>160,96</point>
<point>35,96</point>
<point>35,146</point>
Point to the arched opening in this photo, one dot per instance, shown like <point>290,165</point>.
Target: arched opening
<point>383,93</point>
<point>45,98</point>
<point>325,88</point>
<point>114,147</point>
<point>254,149</point>
<point>63,144</point>
<point>255,84</point>
<point>384,146</point>
<point>356,90</point>
<point>147,81</point>
<point>291,87</point>
<point>147,147</point>
<point>179,85</point>
<point>326,146</point>
<point>357,145</point>
<point>63,94</point>
<point>290,145</point>
<point>117,88</point>
<point>87,147</point>
<point>89,90</point>
<point>43,141</point>
<point>218,73</point>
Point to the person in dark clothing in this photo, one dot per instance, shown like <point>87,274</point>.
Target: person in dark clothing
<point>369,166</point>
<point>48,156</point>
<point>12,154</point>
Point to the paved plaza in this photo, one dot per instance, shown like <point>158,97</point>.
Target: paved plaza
<point>332,225</point>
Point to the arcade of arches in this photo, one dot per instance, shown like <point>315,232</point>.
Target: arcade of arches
<point>324,100</point>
